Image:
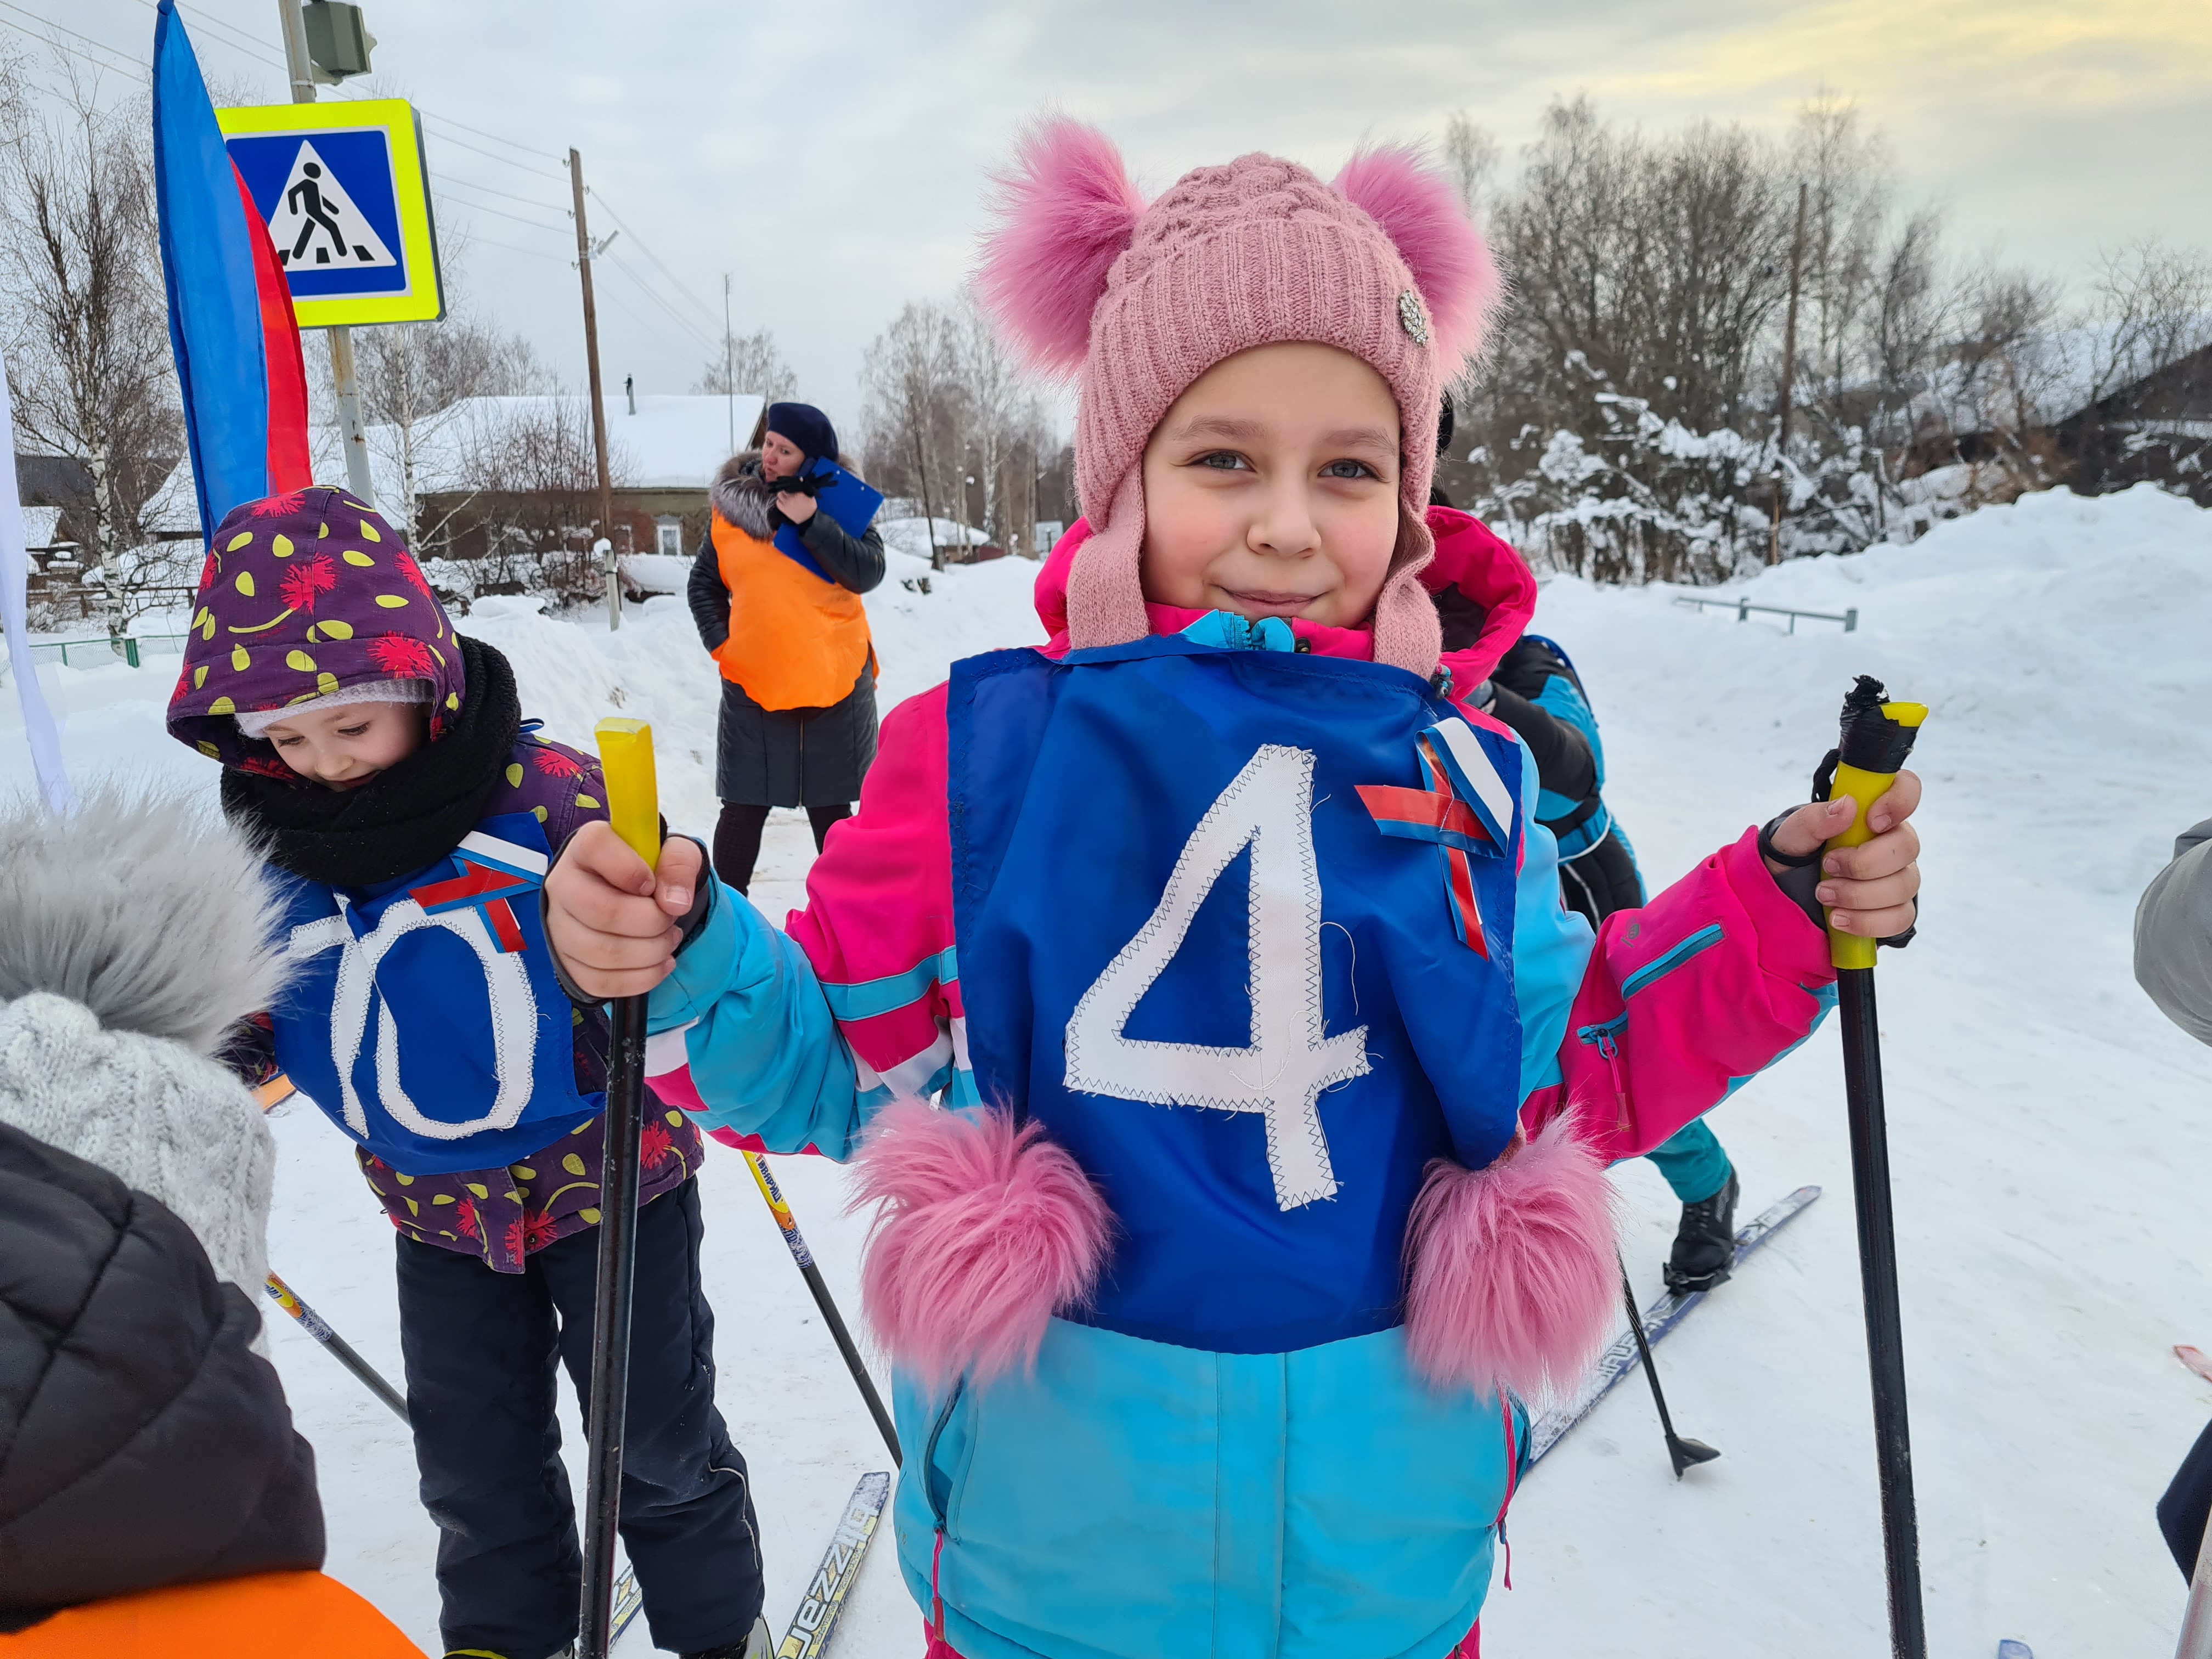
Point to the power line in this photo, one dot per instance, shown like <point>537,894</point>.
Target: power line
<point>527,201</point>
<point>654,294</point>
<point>651,255</point>
<point>476,240</point>
<point>129,65</point>
<point>501,213</point>
<point>244,42</point>
<point>447,138</point>
<point>447,120</point>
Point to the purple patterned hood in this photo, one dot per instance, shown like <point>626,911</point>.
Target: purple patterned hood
<point>303,595</point>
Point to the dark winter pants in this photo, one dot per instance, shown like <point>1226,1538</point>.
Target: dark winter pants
<point>481,1348</point>
<point>738,837</point>
<point>2182,1512</point>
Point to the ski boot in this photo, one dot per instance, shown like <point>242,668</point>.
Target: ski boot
<point>1704,1244</point>
<point>758,1645</point>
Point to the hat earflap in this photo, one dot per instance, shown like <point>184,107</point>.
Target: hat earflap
<point>1451,262</point>
<point>1065,214</point>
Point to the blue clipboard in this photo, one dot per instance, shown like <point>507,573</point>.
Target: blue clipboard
<point>849,501</point>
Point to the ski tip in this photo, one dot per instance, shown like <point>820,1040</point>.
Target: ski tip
<point>2008,1649</point>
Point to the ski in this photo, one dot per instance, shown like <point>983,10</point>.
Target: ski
<point>812,1625</point>
<point>630,1601</point>
<point>2194,1360</point>
<point>2008,1649</point>
<point>1662,1316</point>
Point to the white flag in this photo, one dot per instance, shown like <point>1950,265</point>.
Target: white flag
<point>45,739</point>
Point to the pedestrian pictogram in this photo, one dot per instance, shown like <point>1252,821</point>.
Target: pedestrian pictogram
<point>345,194</point>
<point>316,224</point>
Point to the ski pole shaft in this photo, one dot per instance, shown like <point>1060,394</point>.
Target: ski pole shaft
<point>2196,1620</point>
<point>339,1349</point>
<point>626,758</point>
<point>1681,1453</point>
<point>1877,737</point>
<point>810,1271</point>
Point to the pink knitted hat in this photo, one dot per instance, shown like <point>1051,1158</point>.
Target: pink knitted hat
<point>1142,301</point>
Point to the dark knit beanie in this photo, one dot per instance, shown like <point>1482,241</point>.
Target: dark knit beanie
<point>806,427</point>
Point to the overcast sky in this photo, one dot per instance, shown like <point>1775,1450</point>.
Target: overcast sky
<point>830,155</point>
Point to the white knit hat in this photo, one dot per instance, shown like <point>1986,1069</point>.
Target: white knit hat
<point>140,930</point>
<point>255,722</point>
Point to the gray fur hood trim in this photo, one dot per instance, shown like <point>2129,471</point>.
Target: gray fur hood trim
<point>148,910</point>
<point>740,494</point>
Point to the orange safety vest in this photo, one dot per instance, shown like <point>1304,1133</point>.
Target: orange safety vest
<point>271,1615</point>
<point>796,640</point>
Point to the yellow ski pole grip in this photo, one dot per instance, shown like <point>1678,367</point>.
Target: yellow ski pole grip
<point>632,791</point>
<point>1877,739</point>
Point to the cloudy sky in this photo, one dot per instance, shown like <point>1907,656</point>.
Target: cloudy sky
<point>831,156</point>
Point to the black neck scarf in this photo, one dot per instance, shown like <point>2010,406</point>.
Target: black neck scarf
<point>401,819</point>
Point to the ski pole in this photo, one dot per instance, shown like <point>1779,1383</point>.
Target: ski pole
<point>632,808</point>
<point>1683,1452</point>
<point>340,1350</point>
<point>1877,737</point>
<point>788,1225</point>
<point>2196,1619</point>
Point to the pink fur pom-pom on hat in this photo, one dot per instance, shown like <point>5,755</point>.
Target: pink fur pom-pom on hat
<point>1512,1276</point>
<point>987,1231</point>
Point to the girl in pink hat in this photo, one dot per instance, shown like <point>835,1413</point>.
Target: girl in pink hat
<point>1193,992</point>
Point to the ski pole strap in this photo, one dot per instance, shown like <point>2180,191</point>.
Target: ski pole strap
<point>633,791</point>
<point>1877,739</point>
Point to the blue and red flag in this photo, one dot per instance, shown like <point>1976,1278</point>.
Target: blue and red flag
<point>231,324</point>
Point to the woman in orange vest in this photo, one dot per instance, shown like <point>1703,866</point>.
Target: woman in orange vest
<point>783,617</point>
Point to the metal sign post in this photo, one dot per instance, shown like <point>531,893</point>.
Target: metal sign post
<point>344,190</point>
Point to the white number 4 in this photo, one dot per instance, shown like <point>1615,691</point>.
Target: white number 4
<point>1268,807</point>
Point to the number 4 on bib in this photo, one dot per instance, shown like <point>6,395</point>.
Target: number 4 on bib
<point>1267,806</point>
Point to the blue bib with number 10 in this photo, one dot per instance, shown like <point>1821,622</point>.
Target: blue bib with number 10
<point>1228,982</point>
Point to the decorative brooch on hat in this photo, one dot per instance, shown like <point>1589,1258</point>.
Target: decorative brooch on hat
<point>1413,317</point>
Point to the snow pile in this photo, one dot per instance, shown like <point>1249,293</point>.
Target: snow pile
<point>2047,1126</point>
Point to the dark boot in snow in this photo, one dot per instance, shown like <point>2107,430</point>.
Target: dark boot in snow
<point>1704,1244</point>
<point>758,1645</point>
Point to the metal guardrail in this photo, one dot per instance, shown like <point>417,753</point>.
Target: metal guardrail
<point>133,648</point>
<point>1743,608</point>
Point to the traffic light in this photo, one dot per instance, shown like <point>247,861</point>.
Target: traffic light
<point>338,44</point>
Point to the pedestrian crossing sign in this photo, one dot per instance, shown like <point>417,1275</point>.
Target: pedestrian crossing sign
<point>345,193</point>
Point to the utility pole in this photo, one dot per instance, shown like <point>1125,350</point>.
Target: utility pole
<point>1788,369</point>
<point>353,439</point>
<point>585,251</point>
<point>729,369</point>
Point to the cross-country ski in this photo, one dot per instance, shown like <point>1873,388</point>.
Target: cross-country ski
<point>1006,833</point>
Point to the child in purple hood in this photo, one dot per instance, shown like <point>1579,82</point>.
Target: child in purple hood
<point>409,815</point>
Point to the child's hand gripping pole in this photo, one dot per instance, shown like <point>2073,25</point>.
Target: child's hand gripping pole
<point>1877,737</point>
<point>633,808</point>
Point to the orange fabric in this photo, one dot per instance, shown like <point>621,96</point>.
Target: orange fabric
<point>796,642</point>
<point>271,1615</point>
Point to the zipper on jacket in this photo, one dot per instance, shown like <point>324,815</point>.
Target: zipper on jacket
<point>1604,1036</point>
<point>929,1455</point>
<point>1660,966</point>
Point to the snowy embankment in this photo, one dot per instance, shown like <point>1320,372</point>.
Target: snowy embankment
<point>2049,1132</point>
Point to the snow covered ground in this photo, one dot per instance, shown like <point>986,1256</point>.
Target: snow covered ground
<point>2048,1130</point>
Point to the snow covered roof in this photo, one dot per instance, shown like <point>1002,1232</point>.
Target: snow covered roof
<point>674,442</point>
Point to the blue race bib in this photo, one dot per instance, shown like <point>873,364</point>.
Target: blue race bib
<point>1236,926</point>
<point>425,1018</point>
